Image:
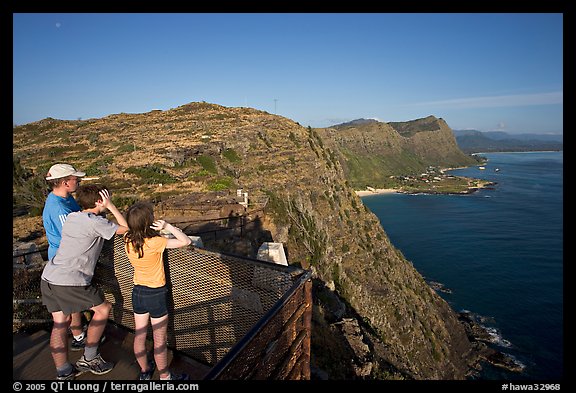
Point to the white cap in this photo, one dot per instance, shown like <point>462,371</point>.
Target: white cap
<point>63,170</point>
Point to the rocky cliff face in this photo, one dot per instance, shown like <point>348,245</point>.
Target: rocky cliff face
<point>371,151</point>
<point>311,207</point>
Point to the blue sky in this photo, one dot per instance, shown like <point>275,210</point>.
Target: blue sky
<point>483,71</point>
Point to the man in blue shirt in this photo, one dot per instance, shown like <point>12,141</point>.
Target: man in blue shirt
<point>64,179</point>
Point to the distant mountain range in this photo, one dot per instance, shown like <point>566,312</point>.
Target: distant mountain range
<point>473,141</point>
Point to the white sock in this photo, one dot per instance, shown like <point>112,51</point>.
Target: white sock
<point>80,336</point>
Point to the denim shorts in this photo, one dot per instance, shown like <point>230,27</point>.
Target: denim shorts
<point>150,300</point>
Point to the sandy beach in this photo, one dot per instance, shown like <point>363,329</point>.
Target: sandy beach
<point>376,191</point>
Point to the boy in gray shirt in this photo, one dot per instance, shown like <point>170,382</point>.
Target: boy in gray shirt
<point>66,283</point>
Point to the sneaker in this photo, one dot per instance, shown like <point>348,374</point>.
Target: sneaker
<point>147,375</point>
<point>177,377</point>
<point>96,366</point>
<point>84,329</point>
<point>71,375</point>
<point>78,345</point>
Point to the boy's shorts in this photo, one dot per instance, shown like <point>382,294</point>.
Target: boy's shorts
<point>70,299</point>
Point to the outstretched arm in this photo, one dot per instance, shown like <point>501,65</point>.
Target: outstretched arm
<point>181,239</point>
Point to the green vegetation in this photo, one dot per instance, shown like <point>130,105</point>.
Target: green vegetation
<point>302,227</point>
<point>92,154</point>
<point>29,189</point>
<point>231,155</point>
<point>411,128</point>
<point>124,202</point>
<point>293,138</point>
<point>98,167</point>
<point>152,174</point>
<point>375,170</point>
<point>266,167</point>
<point>57,151</point>
<point>314,134</point>
<point>126,148</point>
<point>447,185</point>
<point>221,183</point>
<point>276,207</point>
<point>208,164</point>
<point>200,175</point>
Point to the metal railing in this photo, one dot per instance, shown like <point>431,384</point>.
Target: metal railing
<point>244,318</point>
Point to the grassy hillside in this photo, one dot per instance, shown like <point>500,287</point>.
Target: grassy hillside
<point>372,152</point>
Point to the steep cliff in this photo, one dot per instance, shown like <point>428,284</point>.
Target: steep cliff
<point>371,151</point>
<point>312,208</point>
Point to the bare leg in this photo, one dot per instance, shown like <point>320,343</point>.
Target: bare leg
<point>160,329</point>
<point>141,324</point>
<point>76,324</point>
<point>59,338</point>
<point>98,323</point>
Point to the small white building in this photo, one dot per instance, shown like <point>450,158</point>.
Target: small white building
<point>196,241</point>
<point>245,201</point>
<point>272,252</point>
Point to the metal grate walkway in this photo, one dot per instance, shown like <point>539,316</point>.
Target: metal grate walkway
<point>32,360</point>
<point>231,317</point>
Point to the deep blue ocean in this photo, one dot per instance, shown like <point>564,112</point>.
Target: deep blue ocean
<point>499,251</point>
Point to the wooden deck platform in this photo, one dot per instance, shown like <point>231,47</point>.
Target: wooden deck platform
<point>31,359</point>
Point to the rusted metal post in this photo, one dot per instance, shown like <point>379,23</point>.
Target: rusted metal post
<point>308,326</point>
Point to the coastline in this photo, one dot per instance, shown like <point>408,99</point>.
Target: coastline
<point>468,189</point>
<point>376,191</point>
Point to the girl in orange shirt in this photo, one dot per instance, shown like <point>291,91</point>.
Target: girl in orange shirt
<point>144,247</point>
